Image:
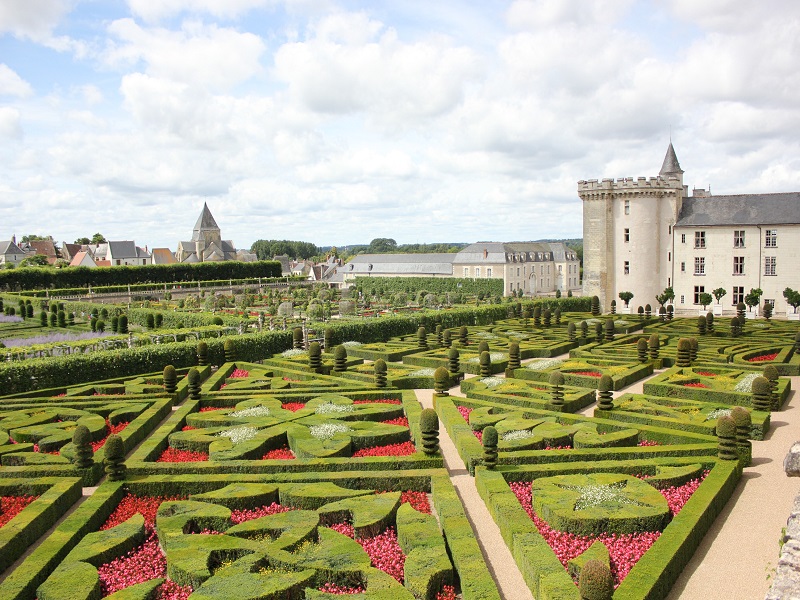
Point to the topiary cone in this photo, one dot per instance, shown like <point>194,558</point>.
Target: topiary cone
<point>114,459</point>
<point>762,394</point>
<point>486,364</point>
<point>489,442</point>
<point>609,330</point>
<point>595,581</point>
<point>170,378</point>
<point>315,357</point>
<point>297,338</point>
<point>453,364</point>
<point>771,373</point>
<point>193,383</point>
<point>537,315</point>
<point>230,350</point>
<point>744,425</point>
<point>202,354</point>
<point>422,338</point>
<point>694,348</point>
<point>447,340</point>
<point>483,346</point>
<point>429,428</point>
<point>726,433</point>
<point>701,325</point>
<point>547,317</point>
<point>441,381</point>
<point>641,350</point>
<point>557,315</point>
<point>513,356</point>
<point>556,380</point>
<point>82,440</point>
<point>571,332</point>
<point>380,373</point>
<point>605,387</point>
<point>463,335</point>
<point>339,359</point>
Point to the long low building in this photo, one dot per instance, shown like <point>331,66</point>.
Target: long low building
<point>533,267</point>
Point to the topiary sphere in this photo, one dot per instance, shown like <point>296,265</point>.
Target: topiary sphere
<point>489,436</point>
<point>453,354</point>
<point>114,448</point>
<point>771,373</point>
<point>428,420</point>
<point>170,377</point>
<point>741,417</point>
<point>81,436</point>
<point>483,346</point>
<point>596,581</point>
<point>641,345</point>
<point>380,366</point>
<point>556,378</point>
<point>684,344</point>
<point>761,385</point>
<point>606,383</point>
<point>441,375</point>
<point>314,349</point>
<point>340,353</point>
<point>726,427</point>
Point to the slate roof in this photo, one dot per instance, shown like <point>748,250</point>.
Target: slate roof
<point>9,247</point>
<point>671,165</point>
<point>741,209</point>
<point>502,252</point>
<point>205,222</point>
<point>399,264</point>
<point>126,249</point>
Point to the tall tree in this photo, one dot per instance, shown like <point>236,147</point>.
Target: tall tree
<point>382,246</point>
<point>98,238</point>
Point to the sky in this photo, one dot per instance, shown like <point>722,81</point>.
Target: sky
<point>336,122</point>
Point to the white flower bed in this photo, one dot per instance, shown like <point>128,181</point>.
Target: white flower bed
<point>422,373</point>
<point>493,356</point>
<point>594,495</point>
<point>292,352</point>
<point>717,413</point>
<point>492,381</point>
<point>327,430</point>
<point>239,434</point>
<point>351,344</point>
<point>547,363</point>
<point>254,411</point>
<point>746,384</point>
<point>329,408</point>
<point>518,434</point>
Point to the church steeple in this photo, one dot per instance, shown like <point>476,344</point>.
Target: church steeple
<point>671,165</point>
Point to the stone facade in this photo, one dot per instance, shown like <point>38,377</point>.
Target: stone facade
<point>644,235</point>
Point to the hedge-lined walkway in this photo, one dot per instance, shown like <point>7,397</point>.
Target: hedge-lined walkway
<point>735,561</point>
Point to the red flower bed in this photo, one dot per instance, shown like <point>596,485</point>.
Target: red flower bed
<point>763,357</point>
<point>706,373</point>
<point>239,374</point>
<point>586,373</point>
<point>464,410</point>
<point>378,401</point>
<point>130,505</point>
<point>294,406</point>
<point>695,385</point>
<point>398,421</point>
<point>418,501</point>
<point>385,553</point>
<point>403,449</point>
<point>175,455</point>
<point>478,434</point>
<point>448,593</point>
<point>210,408</point>
<point>188,428</point>
<point>340,590</point>
<point>646,443</point>
<point>12,505</point>
<point>109,430</point>
<point>279,454</point>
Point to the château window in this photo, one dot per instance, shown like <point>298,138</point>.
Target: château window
<point>738,294</point>
<point>683,267</point>
<point>488,271</point>
<point>627,235</point>
<point>477,271</point>
<point>698,289</point>
<point>683,238</point>
<point>769,265</point>
<point>738,265</point>
<point>699,265</point>
<point>626,268</point>
<point>627,207</point>
<point>771,238</point>
<point>738,238</point>
<point>466,271</point>
<point>699,239</point>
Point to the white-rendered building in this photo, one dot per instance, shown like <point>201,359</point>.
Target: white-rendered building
<point>646,234</point>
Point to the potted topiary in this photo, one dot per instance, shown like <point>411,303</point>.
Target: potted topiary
<point>718,295</point>
<point>793,300</point>
<point>705,300</point>
<point>752,300</point>
<point>626,297</point>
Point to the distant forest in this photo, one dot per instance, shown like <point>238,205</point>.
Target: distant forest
<point>267,249</point>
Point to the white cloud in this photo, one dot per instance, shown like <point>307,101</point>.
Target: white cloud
<point>34,19</point>
<point>202,55</point>
<point>12,84</point>
<point>161,9</point>
<point>10,126</point>
<point>351,63</point>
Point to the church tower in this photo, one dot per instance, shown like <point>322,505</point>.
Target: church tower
<point>205,231</point>
<point>627,233</point>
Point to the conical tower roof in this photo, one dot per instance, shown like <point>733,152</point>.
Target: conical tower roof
<point>671,165</point>
<point>205,221</point>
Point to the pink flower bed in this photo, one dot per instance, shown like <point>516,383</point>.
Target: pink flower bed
<point>210,408</point>
<point>175,455</point>
<point>706,373</point>
<point>695,385</point>
<point>10,506</point>
<point>279,454</point>
<point>625,549</point>
<point>403,449</point>
<point>448,593</point>
<point>647,443</point>
<point>340,590</point>
<point>130,505</point>
<point>763,357</point>
<point>239,374</point>
<point>109,430</point>
<point>242,515</point>
<point>464,410</point>
<point>418,501</point>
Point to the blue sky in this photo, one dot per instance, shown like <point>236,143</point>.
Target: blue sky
<point>339,122</point>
